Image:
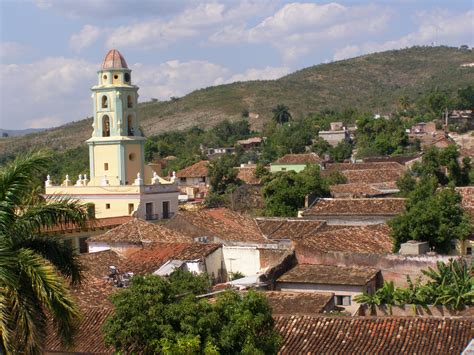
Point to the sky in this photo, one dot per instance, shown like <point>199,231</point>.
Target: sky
<point>50,50</point>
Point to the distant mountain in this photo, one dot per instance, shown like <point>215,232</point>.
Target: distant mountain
<point>18,132</point>
<point>372,82</point>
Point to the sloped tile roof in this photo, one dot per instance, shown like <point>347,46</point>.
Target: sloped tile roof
<point>287,228</point>
<point>150,259</point>
<point>138,231</point>
<point>309,158</point>
<point>222,223</point>
<point>247,175</point>
<point>198,169</point>
<point>364,166</point>
<point>88,338</point>
<point>297,303</point>
<point>328,274</point>
<point>99,223</point>
<point>361,335</point>
<point>356,189</point>
<point>371,239</point>
<point>356,206</point>
<point>372,176</point>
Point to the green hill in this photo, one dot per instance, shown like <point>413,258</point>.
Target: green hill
<point>372,82</point>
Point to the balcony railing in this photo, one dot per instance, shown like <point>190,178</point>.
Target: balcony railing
<point>151,217</point>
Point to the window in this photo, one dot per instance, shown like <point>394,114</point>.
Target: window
<point>105,103</point>
<point>182,180</point>
<point>283,169</point>
<point>129,101</point>
<point>130,208</point>
<point>202,179</point>
<point>105,126</point>
<point>83,247</point>
<point>104,77</point>
<point>115,76</point>
<point>343,300</point>
<point>106,166</point>
<point>107,206</point>
<point>130,125</point>
<point>91,210</point>
<point>469,251</point>
<point>131,156</point>
<point>126,77</point>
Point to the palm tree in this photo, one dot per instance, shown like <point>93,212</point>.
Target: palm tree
<point>404,102</point>
<point>281,114</point>
<point>34,267</point>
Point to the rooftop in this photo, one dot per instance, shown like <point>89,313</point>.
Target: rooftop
<point>138,231</point>
<point>198,169</point>
<point>328,275</point>
<point>371,239</point>
<point>372,176</point>
<point>356,206</point>
<point>361,335</point>
<point>309,158</point>
<point>297,303</point>
<point>250,140</point>
<point>114,60</point>
<point>100,223</point>
<point>247,175</point>
<point>221,223</point>
<point>287,228</point>
<point>364,166</point>
<point>356,189</point>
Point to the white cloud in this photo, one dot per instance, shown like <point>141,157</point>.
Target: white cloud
<point>12,50</point>
<point>434,27</point>
<point>87,36</point>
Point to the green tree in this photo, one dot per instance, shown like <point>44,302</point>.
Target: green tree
<point>281,114</point>
<point>431,215</point>
<point>155,315</point>
<point>34,267</point>
<point>223,174</point>
<point>404,102</point>
<point>466,98</point>
<point>406,184</point>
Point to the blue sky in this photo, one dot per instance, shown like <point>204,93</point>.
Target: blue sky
<point>50,50</point>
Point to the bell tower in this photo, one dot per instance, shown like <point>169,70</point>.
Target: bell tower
<point>116,148</point>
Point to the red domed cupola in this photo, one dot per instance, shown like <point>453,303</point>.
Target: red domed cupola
<point>114,60</point>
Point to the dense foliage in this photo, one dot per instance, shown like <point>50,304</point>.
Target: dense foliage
<point>433,215</point>
<point>33,266</point>
<point>450,284</point>
<point>155,315</point>
<point>285,192</point>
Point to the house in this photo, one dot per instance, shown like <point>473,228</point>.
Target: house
<point>355,211</point>
<point>360,190</point>
<point>343,282</point>
<point>370,335</point>
<point>134,235</point>
<point>423,128</point>
<point>366,173</point>
<point>299,303</point>
<point>285,230</point>
<point>217,152</point>
<point>334,137</point>
<point>118,183</point>
<point>465,247</point>
<point>295,162</point>
<point>193,181</point>
<point>244,246</point>
<point>251,143</point>
<point>246,173</point>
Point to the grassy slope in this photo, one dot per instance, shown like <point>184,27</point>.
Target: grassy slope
<point>372,82</point>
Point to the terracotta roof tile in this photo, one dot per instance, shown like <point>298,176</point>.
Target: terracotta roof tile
<point>114,60</point>
<point>356,206</point>
<point>196,170</point>
<point>371,239</point>
<point>138,231</point>
<point>372,176</point>
<point>150,259</point>
<point>221,223</point>
<point>99,223</point>
<point>364,166</point>
<point>360,335</point>
<point>287,228</point>
<point>328,274</point>
<point>298,303</point>
<point>355,189</point>
<point>309,158</point>
<point>247,175</point>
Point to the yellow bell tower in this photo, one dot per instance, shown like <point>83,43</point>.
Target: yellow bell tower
<point>116,148</point>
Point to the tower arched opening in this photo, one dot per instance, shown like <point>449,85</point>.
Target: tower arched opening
<point>105,101</point>
<point>130,125</point>
<point>129,101</point>
<point>105,126</point>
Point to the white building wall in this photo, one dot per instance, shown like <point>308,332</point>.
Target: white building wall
<point>243,259</point>
<point>214,262</point>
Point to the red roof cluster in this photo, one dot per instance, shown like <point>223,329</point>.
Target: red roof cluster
<point>308,158</point>
<point>198,169</point>
<point>356,206</point>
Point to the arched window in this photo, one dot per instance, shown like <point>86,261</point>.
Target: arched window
<point>105,103</point>
<point>130,126</point>
<point>129,101</point>
<point>105,126</point>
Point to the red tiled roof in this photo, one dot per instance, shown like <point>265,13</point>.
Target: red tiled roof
<point>221,223</point>
<point>196,170</point>
<point>372,176</point>
<point>328,274</point>
<point>309,158</point>
<point>138,231</point>
<point>286,228</point>
<point>247,175</point>
<point>250,140</point>
<point>364,166</point>
<point>100,223</point>
<point>360,335</point>
<point>356,206</point>
<point>150,259</point>
<point>88,338</point>
<point>294,303</point>
<point>355,189</point>
<point>371,239</point>
<point>114,60</point>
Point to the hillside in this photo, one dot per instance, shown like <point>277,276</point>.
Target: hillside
<point>372,82</point>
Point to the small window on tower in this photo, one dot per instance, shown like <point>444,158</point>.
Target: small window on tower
<point>104,77</point>
<point>131,156</point>
<point>106,166</point>
<point>105,103</point>
<point>115,76</point>
<point>129,102</point>
<point>105,126</point>
<point>107,206</point>
<point>126,77</point>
